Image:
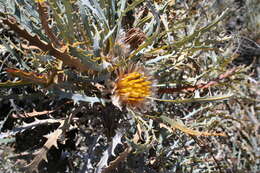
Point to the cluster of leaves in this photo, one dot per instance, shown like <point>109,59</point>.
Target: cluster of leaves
<point>59,58</point>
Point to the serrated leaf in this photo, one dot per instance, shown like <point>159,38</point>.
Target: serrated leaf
<point>32,77</point>
<point>42,153</point>
<point>70,20</point>
<point>10,84</point>
<point>13,52</point>
<point>94,6</point>
<point>133,5</point>
<point>114,164</point>
<point>120,14</point>
<point>86,25</point>
<point>85,59</point>
<point>7,140</point>
<point>110,151</point>
<point>176,125</point>
<point>116,140</point>
<point>79,97</point>
<point>198,32</point>
<point>201,99</point>
<point>57,14</point>
<point>30,114</point>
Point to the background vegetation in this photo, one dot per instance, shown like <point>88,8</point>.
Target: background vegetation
<point>61,66</point>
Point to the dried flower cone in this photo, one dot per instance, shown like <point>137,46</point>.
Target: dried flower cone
<point>132,88</point>
<point>134,37</point>
<point>126,43</point>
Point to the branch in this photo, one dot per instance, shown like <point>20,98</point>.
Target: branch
<point>43,12</point>
<point>199,86</point>
<point>46,47</point>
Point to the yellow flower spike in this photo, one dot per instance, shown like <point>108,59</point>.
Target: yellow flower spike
<point>132,88</point>
<point>132,76</point>
<point>40,1</point>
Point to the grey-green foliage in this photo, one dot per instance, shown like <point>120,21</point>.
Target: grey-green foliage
<point>253,16</point>
<point>185,49</point>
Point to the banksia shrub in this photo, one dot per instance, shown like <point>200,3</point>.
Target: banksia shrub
<point>123,86</point>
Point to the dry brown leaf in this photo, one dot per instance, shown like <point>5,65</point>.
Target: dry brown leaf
<point>42,153</point>
<point>31,114</point>
<point>176,125</point>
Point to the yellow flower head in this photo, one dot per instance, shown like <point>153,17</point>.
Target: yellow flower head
<point>132,88</point>
<point>40,1</point>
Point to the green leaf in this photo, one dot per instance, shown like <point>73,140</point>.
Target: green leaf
<point>77,97</point>
<point>197,33</point>
<point>57,14</point>
<point>85,58</point>
<point>198,100</point>
<point>70,20</point>
<point>133,5</point>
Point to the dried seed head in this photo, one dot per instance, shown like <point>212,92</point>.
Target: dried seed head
<point>132,88</point>
<point>134,37</point>
<point>127,42</point>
